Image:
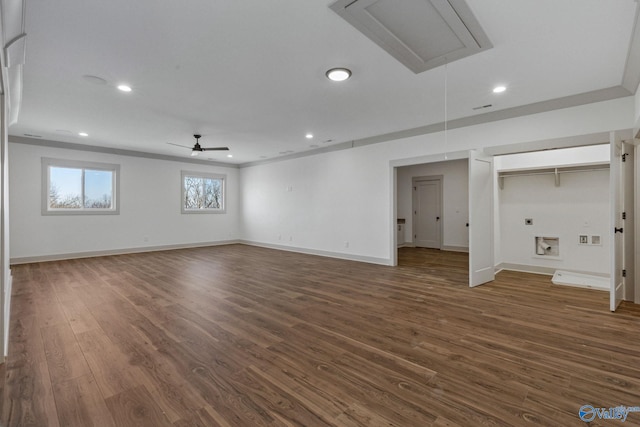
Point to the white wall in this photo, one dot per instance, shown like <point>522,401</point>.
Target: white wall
<point>319,202</point>
<point>149,207</point>
<point>579,206</point>
<point>455,209</point>
<point>349,195</point>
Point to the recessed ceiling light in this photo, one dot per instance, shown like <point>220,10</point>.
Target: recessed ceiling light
<point>309,136</point>
<point>83,134</point>
<point>499,89</point>
<point>124,88</point>
<point>229,155</point>
<point>338,74</point>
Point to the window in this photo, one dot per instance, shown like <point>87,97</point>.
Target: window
<point>203,192</point>
<point>76,187</point>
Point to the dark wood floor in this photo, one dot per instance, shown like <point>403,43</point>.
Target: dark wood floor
<point>246,336</point>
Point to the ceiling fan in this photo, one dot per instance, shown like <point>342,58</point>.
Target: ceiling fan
<point>197,149</point>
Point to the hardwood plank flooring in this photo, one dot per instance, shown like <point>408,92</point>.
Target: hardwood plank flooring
<point>244,336</point>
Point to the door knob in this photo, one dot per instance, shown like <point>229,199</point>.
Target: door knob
<point>437,218</point>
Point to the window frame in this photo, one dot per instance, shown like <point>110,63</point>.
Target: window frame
<point>204,175</point>
<point>47,163</point>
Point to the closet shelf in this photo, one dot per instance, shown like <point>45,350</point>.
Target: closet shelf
<point>550,171</point>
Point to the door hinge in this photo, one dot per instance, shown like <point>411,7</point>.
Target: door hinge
<point>624,272</point>
<point>617,230</point>
<point>624,215</point>
<point>624,157</point>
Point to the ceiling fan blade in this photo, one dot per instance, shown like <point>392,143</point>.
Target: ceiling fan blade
<point>178,145</point>
<point>216,149</point>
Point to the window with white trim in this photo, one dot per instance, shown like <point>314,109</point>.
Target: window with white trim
<point>71,187</point>
<point>203,192</point>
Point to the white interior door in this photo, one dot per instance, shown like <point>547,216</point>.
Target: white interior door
<point>427,213</point>
<point>617,226</point>
<point>481,264</point>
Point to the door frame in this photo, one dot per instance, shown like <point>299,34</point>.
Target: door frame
<point>414,182</point>
<point>393,194</point>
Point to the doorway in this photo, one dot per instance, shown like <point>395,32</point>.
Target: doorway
<point>427,212</point>
<point>453,175</point>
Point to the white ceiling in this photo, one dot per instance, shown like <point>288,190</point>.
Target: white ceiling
<point>250,74</point>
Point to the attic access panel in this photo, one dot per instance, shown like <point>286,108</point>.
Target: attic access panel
<point>421,34</point>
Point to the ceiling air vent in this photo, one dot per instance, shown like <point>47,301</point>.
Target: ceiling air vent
<point>422,34</point>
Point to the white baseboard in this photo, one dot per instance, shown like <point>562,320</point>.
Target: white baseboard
<point>449,248</point>
<point>339,255</point>
<point>535,269</point>
<point>523,268</point>
<point>456,248</point>
<point>124,251</point>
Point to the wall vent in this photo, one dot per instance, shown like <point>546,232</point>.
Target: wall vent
<point>421,34</point>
